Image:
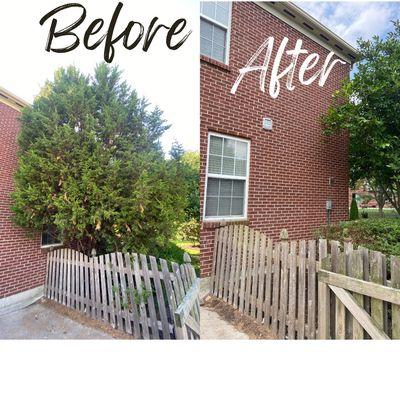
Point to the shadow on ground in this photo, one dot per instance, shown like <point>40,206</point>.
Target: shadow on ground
<point>48,320</point>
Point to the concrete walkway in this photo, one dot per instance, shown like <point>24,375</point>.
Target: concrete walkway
<point>214,327</point>
<point>40,322</point>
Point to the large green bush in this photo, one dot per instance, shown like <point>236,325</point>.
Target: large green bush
<point>376,234</point>
<point>91,165</point>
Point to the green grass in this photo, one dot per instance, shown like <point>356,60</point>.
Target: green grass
<point>374,212</point>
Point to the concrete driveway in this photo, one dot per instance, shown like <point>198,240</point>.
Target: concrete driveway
<point>40,321</point>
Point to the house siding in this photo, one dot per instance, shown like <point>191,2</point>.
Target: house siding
<point>22,262</point>
<point>290,166</point>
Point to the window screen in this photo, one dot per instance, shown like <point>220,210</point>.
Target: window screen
<point>214,26</point>
<point>227,177</point>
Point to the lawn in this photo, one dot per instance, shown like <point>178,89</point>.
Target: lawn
<point>374,212</point>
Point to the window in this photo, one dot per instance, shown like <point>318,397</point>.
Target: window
<point>227,177</point>
<point>214,29</point>
<point>50,238</point>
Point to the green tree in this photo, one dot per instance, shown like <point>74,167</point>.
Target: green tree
<point>368,108</point>
<point>177,151</point>
<point>353,210</point>
<point>190,167</point>
<point>91,165</point>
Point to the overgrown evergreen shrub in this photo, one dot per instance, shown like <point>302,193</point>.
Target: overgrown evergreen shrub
<point>353,210</point>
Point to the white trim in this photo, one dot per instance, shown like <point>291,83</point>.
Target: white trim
<point>220,176</point>
<point>222,26</point>
<point>272,10</point>
<point>49,246</point>
<point>20,300</point>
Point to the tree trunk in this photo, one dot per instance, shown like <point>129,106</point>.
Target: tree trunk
<point>392,193</point>
<point>380,197</point>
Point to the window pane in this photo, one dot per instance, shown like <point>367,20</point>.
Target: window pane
<point>212,207</point>
<point>226,187</point>
<point>237,206</point>
<point>216,145</point>
<point>224,207</point>
<point>213,187</point>
<point>50,236</point>
<point>229,147</point>
<point>214,164</point>
<point>228,167</point>
<point>208,8</point>
<point>218,53</point>
<point>206,29</point>
<point>238,189</point>
<point>222,12</point>
<point>224,4</point>
<point>206,47</point>
<point>219,36</point>
<point>241,150</point>
<point>240,167</point>
<point>225,197</point>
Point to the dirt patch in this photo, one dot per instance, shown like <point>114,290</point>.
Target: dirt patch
<point>84,320</point>
<point>241,322</point>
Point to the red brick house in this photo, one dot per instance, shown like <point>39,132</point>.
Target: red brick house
<point>264,159</point>
<point>22,258</point>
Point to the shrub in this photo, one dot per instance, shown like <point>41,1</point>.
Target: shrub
<point>376,234</point>
<point>190,231</point>
<point>364,214</point>
<point>353,210</point>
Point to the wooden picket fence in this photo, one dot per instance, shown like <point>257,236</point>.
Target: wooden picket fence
<point>356,298</point>
<point>302,289</point>
<point>137,294</point>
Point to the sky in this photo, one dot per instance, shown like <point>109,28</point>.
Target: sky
<point>169,79</point>
<point>351,20</point>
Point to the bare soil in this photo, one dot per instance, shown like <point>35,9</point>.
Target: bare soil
<point>84,320</point>
<point>241,322</point>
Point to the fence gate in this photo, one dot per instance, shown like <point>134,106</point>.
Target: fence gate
<point>138,294</point>
<point>307,289</point>
<point>356,299</point>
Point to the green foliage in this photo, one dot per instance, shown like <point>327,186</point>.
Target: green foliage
<point>376,234</point>
<point>353,210</point>
<point>177,151</point>
<point>91,165</point>
<point>188,164</point>
<point>190,231</point>
<point>139,296</point>
<point>367,107</point>
<point>364,214</point>
<point>174,252</point>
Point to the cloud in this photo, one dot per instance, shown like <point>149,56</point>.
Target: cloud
<point>352,20</point>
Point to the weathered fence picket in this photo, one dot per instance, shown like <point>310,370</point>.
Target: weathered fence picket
<point>305,290</point>
<point>134,293</point>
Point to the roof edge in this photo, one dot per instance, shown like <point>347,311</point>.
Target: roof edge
<point>308,25</point>
<point>12,100</point>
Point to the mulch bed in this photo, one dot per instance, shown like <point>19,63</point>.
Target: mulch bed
<point>241,322</point>
<point>84,320</point>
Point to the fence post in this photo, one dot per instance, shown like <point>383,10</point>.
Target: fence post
<point>284,235</point>
<point>323,294</point>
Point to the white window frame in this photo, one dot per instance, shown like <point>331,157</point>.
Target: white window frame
<point>228,31</point>
<point>234,177</point>
<point>47,246</point>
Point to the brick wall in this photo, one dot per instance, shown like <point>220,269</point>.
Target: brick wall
<point>290,166</point>
<point>22,262</point>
